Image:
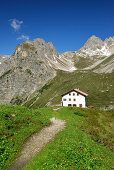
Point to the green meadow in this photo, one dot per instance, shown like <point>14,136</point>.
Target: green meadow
<point>82,145</point>
<point>85,143</point>
<point>16,125</point>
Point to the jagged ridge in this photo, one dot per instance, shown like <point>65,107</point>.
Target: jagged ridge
<point>34,63</point>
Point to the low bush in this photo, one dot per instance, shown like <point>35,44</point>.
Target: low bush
<point>80,113</point>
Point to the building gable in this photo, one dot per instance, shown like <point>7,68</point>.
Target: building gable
<point>77,91</point>
<point>75,98</point>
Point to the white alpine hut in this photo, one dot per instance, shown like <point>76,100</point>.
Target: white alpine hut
<point>75,98</point>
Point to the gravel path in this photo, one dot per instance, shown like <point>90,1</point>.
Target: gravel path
<point>37,141</point>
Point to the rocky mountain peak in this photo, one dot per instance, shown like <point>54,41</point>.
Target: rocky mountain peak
<point>36,62</point>
<point>96,47</point>
<point>93,43</point>
<point>94,38</point>
<point>109,41</point>
<point>39,41</point>
<point>50,44</point>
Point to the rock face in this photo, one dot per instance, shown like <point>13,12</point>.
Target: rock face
<point>26,72</point>
<point>34,63</point>
<point>94,53</point>
<point>5,64</point>
<point>95,46</point>
<point>106,66</point>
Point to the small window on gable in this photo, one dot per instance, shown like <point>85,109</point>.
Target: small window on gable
<point>77,94</point>
<point>73,94</point>
<point>69,94</point>
<point>69,99</point>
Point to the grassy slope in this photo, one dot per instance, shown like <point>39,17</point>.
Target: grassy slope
<point>104,62</point>
<point>16,125</point>
<point>100,88</point>
<point>82,62</point>
<point>74,148</point>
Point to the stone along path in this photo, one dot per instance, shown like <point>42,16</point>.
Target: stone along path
<point>37,141</point>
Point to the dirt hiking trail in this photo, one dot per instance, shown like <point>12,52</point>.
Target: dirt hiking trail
<point>36,142</point>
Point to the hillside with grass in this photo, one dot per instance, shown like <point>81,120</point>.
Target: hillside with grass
<point>16,125</point>
<point>100,89</point>
<point>107,60</point>
<point>86,142</point>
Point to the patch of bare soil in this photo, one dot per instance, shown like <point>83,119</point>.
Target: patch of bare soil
<point>36,142</point>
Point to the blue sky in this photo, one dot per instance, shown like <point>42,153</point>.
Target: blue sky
<point>66,23</point>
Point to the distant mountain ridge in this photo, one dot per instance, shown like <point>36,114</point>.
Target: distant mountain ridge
<point>95,46</point>
<point>36,62</point>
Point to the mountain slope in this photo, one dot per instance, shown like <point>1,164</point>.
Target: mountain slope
<point>94,52</point>
<point>106,66</point>
<point>100,88</point>
<point>32,65</point>
<point>35,63</point>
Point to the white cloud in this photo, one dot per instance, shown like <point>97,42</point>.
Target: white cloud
<point>15,24</point>
<point>23,37</point>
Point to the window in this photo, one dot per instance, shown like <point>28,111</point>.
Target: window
<point>69,99</point>
<point>74,105</point>
<point>64,99</point>
<point>80,105</point>
<point>69,105</point>
<point>74,99</point>
<point>73,94</point>
<point>69,94</point>
<point>77,94</point>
